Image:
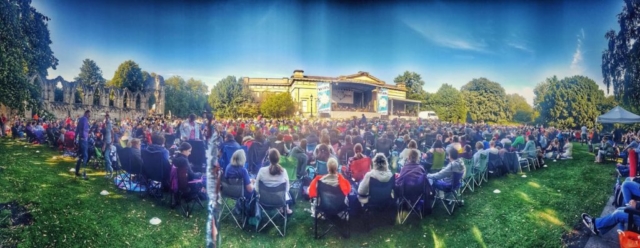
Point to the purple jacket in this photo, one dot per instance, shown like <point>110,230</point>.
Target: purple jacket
<point>411,174</point>
<point>82,130</point>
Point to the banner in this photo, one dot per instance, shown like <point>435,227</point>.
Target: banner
<point>324,98</point>
<point>383,102</point>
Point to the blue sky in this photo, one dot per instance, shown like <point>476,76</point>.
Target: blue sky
<point>514,43</point>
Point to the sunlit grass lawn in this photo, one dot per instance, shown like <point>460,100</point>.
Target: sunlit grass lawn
<point>530,212</point>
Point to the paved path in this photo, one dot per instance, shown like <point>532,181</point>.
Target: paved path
<point>608,240</point>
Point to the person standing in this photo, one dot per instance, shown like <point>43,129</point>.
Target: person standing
<point>82,139</point>
<point>190,130</point>
<point>3,121</point>
<point>108,140</point>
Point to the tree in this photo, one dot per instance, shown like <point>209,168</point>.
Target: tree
<point>570,102</point>
<point>228,95</point>
<point>621,59</point>
<point>519,108</point>
<point>486,100</point>
<point>185,97</point>
<point>90,74</point>
<point>414,83</point>
<point>128,75</point>
<point>278,106</point>
<point>448,104</point>
<point>24,53</point>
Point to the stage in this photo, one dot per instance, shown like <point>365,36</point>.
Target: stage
<point>369,115</point>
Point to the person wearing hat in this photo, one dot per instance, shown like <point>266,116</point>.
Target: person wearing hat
<point>247,141</point>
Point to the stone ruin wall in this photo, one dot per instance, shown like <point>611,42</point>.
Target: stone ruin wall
<point>124,104</point>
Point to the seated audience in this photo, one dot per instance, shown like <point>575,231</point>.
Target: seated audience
<point>273,175</point>
<point>380,172</point>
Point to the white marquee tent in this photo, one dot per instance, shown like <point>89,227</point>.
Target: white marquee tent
<point>619,115</point>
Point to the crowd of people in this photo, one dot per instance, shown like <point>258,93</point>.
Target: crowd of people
<point>355,151</point>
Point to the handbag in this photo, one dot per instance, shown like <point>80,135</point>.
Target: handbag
<point>628,239</point>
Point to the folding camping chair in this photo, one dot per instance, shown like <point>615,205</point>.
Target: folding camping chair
<point>467,180</point>
<point>331,202</point>
<point>225,158</point>
<point>156,171</point>
<point>411,196</point>
<point>523,160</point>
<point>358,168</point>
<point>481,171</point>
<point>451,195</point>
<point>321,168</point>
<point>438,161</point>
<point>131,169</point>
<point>233,189</point>
<point>380,200</point>
<point>183,196</point>
<point>273,199</point>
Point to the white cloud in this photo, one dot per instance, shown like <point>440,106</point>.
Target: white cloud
<point>446,38</point>
<point>577,66</point>
<point>521,47</point>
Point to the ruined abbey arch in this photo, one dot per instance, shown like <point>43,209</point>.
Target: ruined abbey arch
<point>121,103</point>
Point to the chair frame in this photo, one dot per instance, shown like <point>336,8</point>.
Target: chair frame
<point>319,210</point>
<point>468,181</point>
<point>482,173</point>
<point>454,192</point>
<point>370,207</point>
<point>412,204</point>
<point>264,208</point>
<point>226,195</point>
<point>523,161</point>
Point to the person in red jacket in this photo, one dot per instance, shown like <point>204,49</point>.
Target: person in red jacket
<point>334,179</point>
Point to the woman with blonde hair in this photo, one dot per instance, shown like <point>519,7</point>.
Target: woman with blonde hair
<point>380,172</point>
<point>333,179</point>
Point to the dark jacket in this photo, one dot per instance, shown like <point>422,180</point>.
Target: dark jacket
<point>159,148</point>
<point>185,173</point>
<point>383,146</point>
<point>411,174</point>
<point>257,153</point>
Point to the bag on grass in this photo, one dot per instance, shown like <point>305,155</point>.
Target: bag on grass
<point>628,239</point>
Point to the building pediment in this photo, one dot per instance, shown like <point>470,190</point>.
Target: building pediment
<point>362,77</point>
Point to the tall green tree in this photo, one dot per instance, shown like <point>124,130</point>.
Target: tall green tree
<point>621,59</point>
<point>228,96</point>
<point>414,83</point>
<point>278,106</point>
<point>571,102</point>
<point>448,104</point>
<point>185,97</point>
<point>486,100</point>
<point>128,75</point>
<point>90,74</point>
<point>519,108</point>
<point>24,52</point>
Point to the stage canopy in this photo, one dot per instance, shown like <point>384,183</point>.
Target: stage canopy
<point>619,115</point>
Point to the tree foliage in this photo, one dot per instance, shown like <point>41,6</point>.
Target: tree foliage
<point>90,74</point>
<point>486,100</point>
<point>24,52</point>
<point>448,104</point>
<point>570,102</point>
<point>228,96</point>
<point>519,108</point>
<point>278,106</point>
<point>621,59</point>
<point>185,97</point>
<point>414,83</point>
<point>128,75</point>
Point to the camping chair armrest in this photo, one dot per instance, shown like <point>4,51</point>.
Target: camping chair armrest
<point>632,211</point>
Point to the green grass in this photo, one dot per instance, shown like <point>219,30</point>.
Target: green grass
<point>530,212</point>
